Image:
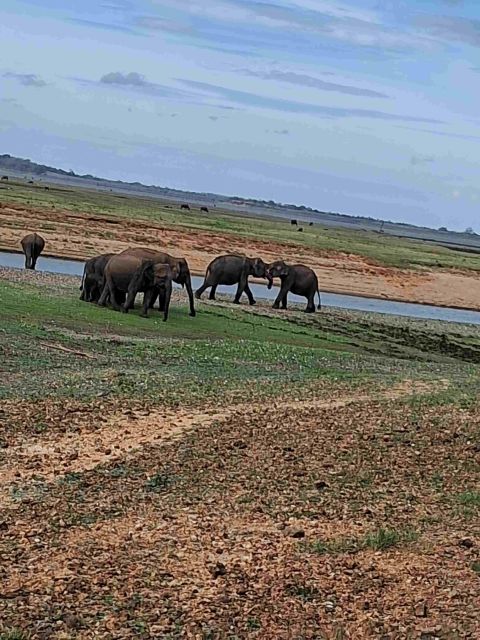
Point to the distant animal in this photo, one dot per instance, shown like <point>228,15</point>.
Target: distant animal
<point>310,224</point>
<point>4,178</point>
<point>179,266</point>
<point>293,222</point>
<point>93,278</point>
<point>300,229</point>
<point>47,188</point>
<point>32,245</point>
<point>233,269</point>
<point>31,182</point>
<point>130,274</point>
<point>204,209</point>
<point>298,279</point>
<point>185,206</point>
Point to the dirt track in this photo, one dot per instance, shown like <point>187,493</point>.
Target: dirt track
<point>77,235</point>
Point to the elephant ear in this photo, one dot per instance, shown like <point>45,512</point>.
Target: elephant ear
<point>283,269</point>
<point>144,275</point>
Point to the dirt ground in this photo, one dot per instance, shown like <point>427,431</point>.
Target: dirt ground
<point>129,521</point>
<point>79,236</point>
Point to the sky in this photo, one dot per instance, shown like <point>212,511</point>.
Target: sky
<point>366,107</point>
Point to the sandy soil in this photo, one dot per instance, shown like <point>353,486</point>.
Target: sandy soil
<point>79,236</point>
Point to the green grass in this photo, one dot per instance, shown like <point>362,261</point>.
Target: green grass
<point>14,634</point>
<point>52,344</point>
<point>470,499</point>
<point>379,540</point>
<point>381,249</point>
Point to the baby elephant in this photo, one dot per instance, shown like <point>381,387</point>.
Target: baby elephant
<point>233,269</point>
<point>298,279</point>
<point>127,274</point>
<point>32,246</point>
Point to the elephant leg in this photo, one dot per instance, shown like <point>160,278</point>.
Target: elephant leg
<point>28,258</point>
<point>129,301</point>
<point>251,299</point>
<point>282,294</point>
<point>161,300</point>
<point>242,285</point>
<point>167,294</point>
<point>115,300</point>
<point>202,288</point>
<point>153,299</point>
<point>213,291</point>
<point>147,296</point>
<point>105,295</point>
<point>310,303</point>
<point>188,286</point>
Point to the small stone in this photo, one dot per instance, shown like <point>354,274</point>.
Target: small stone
<point>467,543</point>
<point>421,610</point>
<point>296,533</point>
<point>219,570</point>
<point>329,606</point>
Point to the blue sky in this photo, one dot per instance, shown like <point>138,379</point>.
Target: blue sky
<point>368,107</point>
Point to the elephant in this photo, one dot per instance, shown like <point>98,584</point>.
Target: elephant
<point>233,269</point>
<point>204,209</point>
<point>178,265</point>
<point>32,245</point>
<point>130,274</point>
<point>298,279</point>
<point>93,278</point>
<point>185,206</point>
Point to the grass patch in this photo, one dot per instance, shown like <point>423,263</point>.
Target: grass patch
<point>378,540</point>
<point>14,634</point>
<point>470,499</point>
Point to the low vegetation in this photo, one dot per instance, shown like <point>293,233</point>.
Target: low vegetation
<point>241,474</point>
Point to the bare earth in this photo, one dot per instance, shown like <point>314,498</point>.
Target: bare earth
<point>123,522</point>
<point>80,236</point>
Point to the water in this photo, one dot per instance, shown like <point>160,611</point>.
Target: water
<point>411,310</point>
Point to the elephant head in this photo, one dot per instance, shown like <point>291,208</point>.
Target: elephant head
<point>277,269</point>
<point>258,269</point>
<point>180,271</point>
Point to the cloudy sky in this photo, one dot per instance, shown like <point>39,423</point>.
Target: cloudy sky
<point>367,107</point>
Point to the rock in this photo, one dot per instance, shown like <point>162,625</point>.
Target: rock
<point>468,543</point>
<point>293,532</point>
<point>219,569</point>
<point>329,606</point>
<point>421,610</point>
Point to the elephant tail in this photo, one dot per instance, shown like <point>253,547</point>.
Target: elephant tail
<point>319,300</point>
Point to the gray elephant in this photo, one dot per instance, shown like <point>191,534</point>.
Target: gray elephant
<point>178,265</point>
<point>128,275</point>
<point>93,278</point>
<point>233,269</point>
<point>298,279</point>
<point>32,246</point>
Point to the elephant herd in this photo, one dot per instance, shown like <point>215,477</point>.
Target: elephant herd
<point>116,279</point>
